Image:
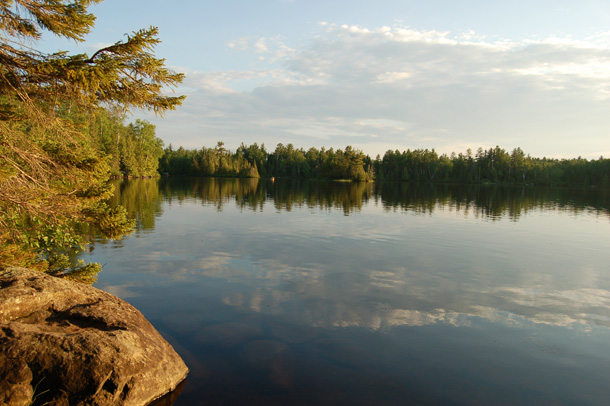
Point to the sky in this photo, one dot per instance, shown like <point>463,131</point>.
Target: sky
<point>378,75</point>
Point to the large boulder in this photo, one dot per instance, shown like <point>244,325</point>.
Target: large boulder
<point>67,343</point>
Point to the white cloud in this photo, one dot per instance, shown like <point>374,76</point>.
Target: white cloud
<point>390,77</point>
<point>260,46</point>
<point>593,69</point>
<point>267,48</point>
<point>451,90</point>
<point>239,43</point>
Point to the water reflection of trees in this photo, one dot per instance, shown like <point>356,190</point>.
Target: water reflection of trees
<point>254,194</point>
<point>490,201</point>
<point>143,197</point>
<point>345,196</point>
<point>143,201</point>
<point>246,193</point>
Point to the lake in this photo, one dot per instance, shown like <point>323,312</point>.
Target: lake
<point>338,293</point>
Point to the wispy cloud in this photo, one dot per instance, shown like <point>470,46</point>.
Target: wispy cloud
<point>431,89</point>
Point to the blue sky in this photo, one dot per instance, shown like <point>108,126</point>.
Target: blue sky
<point>379,75</point>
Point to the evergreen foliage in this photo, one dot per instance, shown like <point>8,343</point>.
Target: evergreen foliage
<point>57,149</point>
<point>254,161</point>
<point>486,166</point>
<point>494,165</point>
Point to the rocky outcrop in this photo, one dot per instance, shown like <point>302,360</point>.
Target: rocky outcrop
<point>71,344</point>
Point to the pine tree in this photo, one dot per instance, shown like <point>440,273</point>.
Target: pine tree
<point>53,175</point>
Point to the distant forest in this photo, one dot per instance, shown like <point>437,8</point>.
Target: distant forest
<point>494,165</point>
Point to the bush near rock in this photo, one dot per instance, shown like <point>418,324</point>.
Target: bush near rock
<point>71,344</point>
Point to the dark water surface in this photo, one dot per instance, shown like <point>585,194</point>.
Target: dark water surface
<point>371,294</point>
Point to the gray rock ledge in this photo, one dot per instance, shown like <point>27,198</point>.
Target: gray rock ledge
<point>72,344</point>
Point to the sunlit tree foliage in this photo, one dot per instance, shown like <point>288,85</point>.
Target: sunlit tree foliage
<point>56,133</point>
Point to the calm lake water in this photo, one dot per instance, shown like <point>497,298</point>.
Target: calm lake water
<point>329,293</point>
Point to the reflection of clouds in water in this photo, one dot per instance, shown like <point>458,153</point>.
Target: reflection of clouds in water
<point>402,317</point>
<point>378,320</point>
<point>338,314</point>
<point>415,270</point>
<point>256,301</point>
<point>324,299</point>
<point>385,279</point>
<point>216,262</point>
<point>558,298</point>
<point>123,291</point>
<point>585,306</point>
<point>235,300</point>
<point>495,315</point>
<point>218,265</point>
<point>559,320</point>
<point>155,255</point>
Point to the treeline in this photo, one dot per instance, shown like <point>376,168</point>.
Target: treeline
<point>132,150</point>
<point>494,165</point>
<point>254,161</point>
